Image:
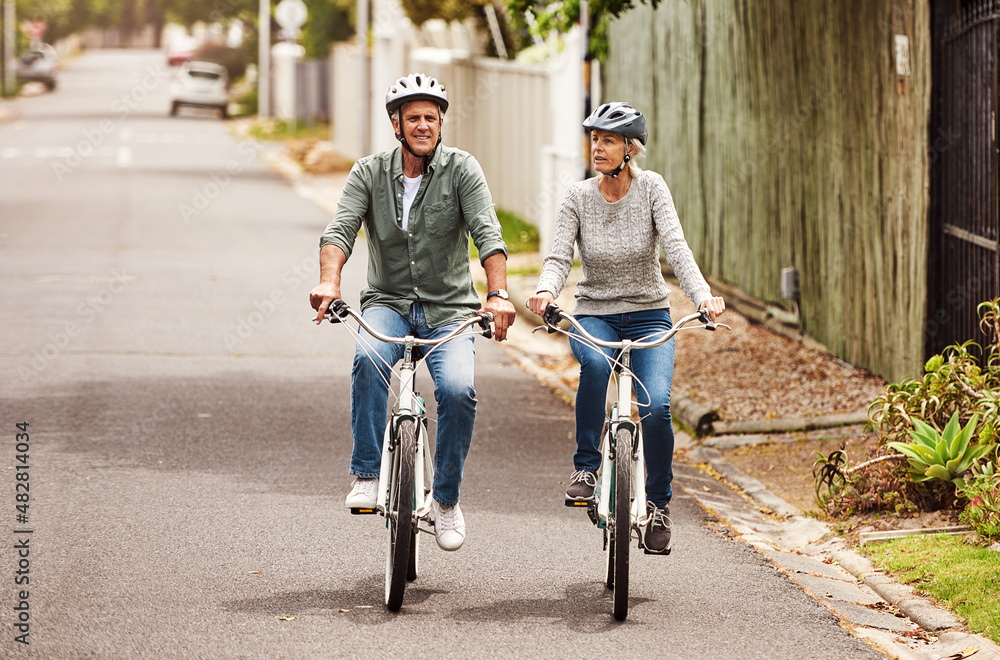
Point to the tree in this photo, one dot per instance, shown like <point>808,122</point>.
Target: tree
<point>538,19</point>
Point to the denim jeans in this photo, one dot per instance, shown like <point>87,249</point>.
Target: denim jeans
<point>653,368</point>
<point>451,366</point>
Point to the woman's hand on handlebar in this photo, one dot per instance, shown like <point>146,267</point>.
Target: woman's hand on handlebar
<point>320,298</point>
<point>715,306</point>
<point>538,302</point>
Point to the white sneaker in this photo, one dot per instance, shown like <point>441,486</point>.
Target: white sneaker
<point>449,526</point>
<point>363,494</point>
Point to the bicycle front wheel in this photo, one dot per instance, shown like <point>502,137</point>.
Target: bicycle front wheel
<point>399,517</point>
<point>622,528</point>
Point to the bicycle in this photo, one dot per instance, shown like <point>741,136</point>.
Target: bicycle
<point>619,503</point>
<point>404,492</point>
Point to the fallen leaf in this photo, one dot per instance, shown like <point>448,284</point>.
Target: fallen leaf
<point>960,656</point>
<point>287,618</point>
<point>254,572</point>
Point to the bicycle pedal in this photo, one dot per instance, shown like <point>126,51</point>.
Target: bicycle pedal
<point>577,503</point>
<point>650,552</point>
<point>362,512</point>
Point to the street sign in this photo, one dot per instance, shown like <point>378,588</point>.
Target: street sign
<point>291,14</point>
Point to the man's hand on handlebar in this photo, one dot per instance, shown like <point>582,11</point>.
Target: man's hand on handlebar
<point>503,315</point>
<point>715,306</point>
<point>320,298</point>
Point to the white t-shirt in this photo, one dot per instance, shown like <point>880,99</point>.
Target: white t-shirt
<point>410,187</point>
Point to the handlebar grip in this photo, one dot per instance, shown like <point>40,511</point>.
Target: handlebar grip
<point>484,323</point>
<point>337,311</point>
<point>551,317</point>
<point>706,319</point>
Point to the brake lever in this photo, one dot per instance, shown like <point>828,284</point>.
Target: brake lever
<point>337,311</point>
<point>484,322</point>
<point>551,317</point>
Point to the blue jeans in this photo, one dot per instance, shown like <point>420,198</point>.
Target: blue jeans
<point>654,368</point>
<point>451,367</point>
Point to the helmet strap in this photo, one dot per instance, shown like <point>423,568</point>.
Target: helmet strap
<point>424,160</point>
<point>618,170</point>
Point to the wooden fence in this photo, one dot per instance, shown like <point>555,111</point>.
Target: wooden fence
<point>790,139</point>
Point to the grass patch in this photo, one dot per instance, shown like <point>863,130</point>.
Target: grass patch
<point>281,129</point>
<point>519,234</point>
<point>950,570</point>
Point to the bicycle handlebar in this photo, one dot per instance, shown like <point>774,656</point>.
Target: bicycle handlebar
<point>553,314</point>
<point>339,311</point>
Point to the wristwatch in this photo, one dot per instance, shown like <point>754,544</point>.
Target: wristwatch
<point>502,293</point>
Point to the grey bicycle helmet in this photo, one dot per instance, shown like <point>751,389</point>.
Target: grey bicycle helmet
<point>416,87</point>
<point>618,117</point>
<point>621,118</point>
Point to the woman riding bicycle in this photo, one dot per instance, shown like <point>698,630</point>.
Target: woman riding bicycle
<point>616,218</point>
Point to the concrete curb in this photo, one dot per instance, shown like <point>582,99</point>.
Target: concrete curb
<point>921,611</point>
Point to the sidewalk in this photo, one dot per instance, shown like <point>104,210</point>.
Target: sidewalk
<point>888,615</point>
<point>6,110</point>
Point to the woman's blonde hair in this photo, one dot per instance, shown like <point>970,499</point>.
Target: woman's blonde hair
<point>640,151</point>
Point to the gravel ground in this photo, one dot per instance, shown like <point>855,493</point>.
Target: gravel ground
<point>752,373</point>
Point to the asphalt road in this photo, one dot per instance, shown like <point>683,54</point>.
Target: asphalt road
<point>189,434</point>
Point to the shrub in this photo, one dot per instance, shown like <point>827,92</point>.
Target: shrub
<point>944,455</point>
<point>982,491</point>
<point>960,387</point>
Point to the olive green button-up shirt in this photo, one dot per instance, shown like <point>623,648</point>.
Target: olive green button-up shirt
<point>429,261</point>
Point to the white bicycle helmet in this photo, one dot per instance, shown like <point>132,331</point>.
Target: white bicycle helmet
<point>416,87</point>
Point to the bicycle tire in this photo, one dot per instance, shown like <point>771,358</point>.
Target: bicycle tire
<point>399,517</point>
<point>622,534</point>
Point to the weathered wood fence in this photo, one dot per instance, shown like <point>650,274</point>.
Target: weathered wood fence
<point>789,138</point>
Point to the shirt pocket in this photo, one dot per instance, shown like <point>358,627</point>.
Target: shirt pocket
<point>442,218</point>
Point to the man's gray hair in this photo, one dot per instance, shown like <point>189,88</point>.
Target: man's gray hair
<point>398,114</point>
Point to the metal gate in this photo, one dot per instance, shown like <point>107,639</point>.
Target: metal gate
<point>964,169</point>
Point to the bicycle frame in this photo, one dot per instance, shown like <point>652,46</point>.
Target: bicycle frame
<point>621,413</point>
<point>408,405</point>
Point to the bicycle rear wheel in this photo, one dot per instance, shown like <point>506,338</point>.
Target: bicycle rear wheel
<point>622,529</point>
<point>399,517</point>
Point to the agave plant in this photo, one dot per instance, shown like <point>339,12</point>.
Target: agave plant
<point>942,455</point>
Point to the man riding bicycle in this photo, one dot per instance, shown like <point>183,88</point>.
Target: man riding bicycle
<point>419,204</point>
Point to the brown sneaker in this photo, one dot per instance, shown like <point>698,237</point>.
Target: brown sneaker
<point>656,540</point>
<point>581,486</point>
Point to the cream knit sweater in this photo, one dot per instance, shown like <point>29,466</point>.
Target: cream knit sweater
<point>619,249</point>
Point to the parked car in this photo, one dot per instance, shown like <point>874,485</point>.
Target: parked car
<point>40,64</point>
<point>200,85</point>
<point>181,49</point>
